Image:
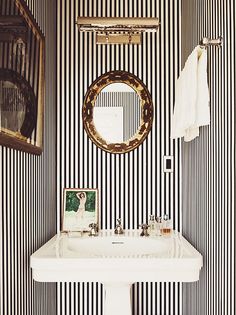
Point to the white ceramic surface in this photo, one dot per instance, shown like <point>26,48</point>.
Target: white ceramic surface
<point>119,247</point>
<point>117,262</point>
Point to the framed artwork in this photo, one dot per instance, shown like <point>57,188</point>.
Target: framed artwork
<point>80,208</point>
<point>22,80</point>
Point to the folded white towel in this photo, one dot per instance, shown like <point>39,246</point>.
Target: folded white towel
<point>192,97</point>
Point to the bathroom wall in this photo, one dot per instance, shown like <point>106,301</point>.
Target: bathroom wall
<point>209,163</point>
<point>28,195</point>
<point>132,185</point>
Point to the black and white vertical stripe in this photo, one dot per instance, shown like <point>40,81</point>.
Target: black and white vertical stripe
<point>27,195</point>
<point>209,163</point>
<point>131,185</point>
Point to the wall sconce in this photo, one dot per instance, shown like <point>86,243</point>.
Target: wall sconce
<point>118,30</point>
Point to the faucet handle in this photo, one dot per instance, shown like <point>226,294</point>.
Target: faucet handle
<point>144,229</point>
<point>118,221</point>
<point>93,226</point>
<point>144,226</point>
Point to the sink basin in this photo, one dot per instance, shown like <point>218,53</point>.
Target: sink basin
<point>117,262</point>
<point>117,246</point>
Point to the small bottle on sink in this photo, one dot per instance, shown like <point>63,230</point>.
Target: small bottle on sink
<point>152,225</point>
<point>158,226</point>
<point>167,226</point>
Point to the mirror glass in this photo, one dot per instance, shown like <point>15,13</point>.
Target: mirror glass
<point>18,111</point>
<point>117,113</point>
<point>12,107</point>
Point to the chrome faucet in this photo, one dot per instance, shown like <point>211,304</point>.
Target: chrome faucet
<point>119,228</point>
<point>93,229</point>
<point>144,229</point>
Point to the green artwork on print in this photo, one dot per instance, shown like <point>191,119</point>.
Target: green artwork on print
<point>72,201</point>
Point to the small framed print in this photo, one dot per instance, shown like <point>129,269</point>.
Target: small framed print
<point>80,208</point>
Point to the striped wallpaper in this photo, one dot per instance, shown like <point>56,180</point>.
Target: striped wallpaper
<point>28,195</point>
<point>131,185</point>
<point>209,164</point>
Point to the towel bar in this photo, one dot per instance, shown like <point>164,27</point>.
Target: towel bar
<point>205,42</point>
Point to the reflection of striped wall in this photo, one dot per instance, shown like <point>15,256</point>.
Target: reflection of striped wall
<point>27,198</point>
<point>131,185</point>
<point>12,107</point>
<point>130,103</point>
<point>18,103</point>
<point>209,164</point>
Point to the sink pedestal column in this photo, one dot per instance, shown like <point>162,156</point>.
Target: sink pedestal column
<point>117,298</point>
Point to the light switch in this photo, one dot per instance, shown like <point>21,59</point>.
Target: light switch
<point>168,163</point>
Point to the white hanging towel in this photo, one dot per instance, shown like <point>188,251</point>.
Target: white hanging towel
<point>192,97</point>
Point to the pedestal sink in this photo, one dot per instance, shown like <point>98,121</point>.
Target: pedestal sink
<point>117,262</point>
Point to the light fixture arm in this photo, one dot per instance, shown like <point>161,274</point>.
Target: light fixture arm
<point>118,30</point>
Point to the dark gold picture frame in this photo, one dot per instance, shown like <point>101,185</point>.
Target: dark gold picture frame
<point>27,77</point>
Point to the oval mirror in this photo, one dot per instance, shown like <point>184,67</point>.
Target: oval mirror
<point>117,112</point>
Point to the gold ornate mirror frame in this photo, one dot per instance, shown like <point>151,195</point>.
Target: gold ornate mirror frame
<point>146,111</point>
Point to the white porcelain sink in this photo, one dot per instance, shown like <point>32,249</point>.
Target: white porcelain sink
<point>117,262</point>
<point>117,246</point>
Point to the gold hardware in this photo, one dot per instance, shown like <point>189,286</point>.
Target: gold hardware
<point>118,30</point>
<point>118,38</point>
